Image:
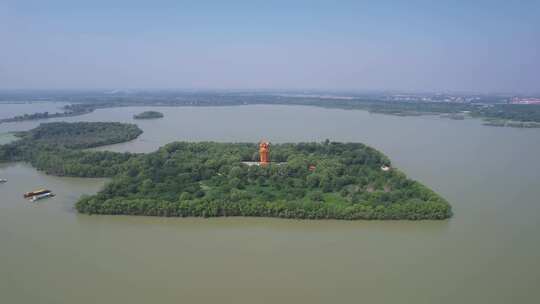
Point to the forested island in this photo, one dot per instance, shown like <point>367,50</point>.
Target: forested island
<point>328,180</point>
<point>58,148</point>
<point>148,115</point>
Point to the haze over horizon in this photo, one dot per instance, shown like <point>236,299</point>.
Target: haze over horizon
<point>485,46</point>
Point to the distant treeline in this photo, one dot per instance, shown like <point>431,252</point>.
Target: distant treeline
<point>70,111</point>
<point>83,103</point>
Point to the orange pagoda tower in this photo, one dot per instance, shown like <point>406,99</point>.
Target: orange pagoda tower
<point>264,152</point>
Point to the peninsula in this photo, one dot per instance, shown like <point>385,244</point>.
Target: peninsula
<point>327,180</point>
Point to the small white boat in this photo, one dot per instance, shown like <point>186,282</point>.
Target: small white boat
<point>3,180</point>
<point>41,196</point>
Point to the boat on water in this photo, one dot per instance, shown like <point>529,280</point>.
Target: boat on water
<point>41,196</point>
<point>3,180</point>
<point>36,192</point>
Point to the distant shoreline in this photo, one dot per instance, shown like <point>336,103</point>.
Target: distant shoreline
<point>494,118</point>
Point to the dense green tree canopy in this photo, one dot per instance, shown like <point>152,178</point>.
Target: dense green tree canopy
<point>80,134</point>
<point>56,148</point>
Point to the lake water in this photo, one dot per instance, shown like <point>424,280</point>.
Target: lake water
<point>487,253</point>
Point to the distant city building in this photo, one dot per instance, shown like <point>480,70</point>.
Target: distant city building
<point>518,100</point>
<point>432,98</point>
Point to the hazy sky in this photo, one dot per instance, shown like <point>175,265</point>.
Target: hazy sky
<point>404,45</point>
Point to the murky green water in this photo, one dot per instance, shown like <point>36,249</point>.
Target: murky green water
<point>487,253</point>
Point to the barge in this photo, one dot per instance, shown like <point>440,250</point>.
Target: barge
<point>36,192</point>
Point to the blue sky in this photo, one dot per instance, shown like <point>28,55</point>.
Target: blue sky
<point>483,46</point>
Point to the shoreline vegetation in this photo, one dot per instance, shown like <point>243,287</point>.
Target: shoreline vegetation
<point>493,114</point>
<point>148,115</point>
<point>511,123</point>
<point>70,111</point>
<point>327,180</point>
